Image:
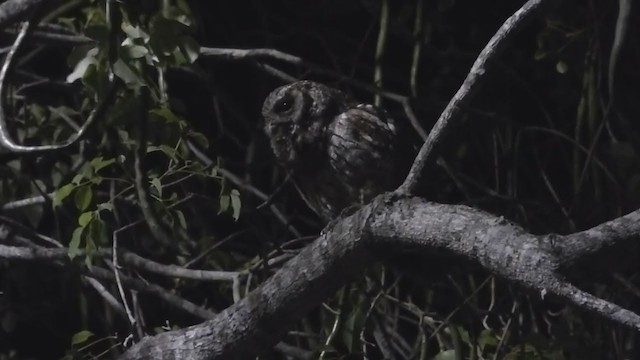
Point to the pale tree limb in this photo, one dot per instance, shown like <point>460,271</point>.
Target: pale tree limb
<point>389,225</point>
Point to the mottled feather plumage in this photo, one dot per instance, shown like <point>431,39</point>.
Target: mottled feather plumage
<point>340,153</point>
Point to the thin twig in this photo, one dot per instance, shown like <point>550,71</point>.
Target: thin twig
<point>5,139</point>
<point>477,76</point>
<point>381,46</point>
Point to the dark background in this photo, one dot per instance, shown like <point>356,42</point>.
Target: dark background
<point>521,152</point>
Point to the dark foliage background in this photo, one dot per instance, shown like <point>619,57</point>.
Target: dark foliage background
<point>545,144</point>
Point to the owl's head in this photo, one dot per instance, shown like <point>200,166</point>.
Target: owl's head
<point>296,117</point>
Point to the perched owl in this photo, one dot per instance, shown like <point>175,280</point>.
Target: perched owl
<point>340,153</point>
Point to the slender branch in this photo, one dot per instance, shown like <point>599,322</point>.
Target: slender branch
<point>151,218</point>
<point>381,46</point>
<point>477,76</point>
<point>116,273</point>
<point>106,295</point>
<point>126,257</point>
<point>237,181</point>
<point>156,290</point>
<point>5,139</point>
<point>622,232</point>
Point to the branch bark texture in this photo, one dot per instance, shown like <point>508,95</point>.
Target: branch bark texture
<point>390,224</point>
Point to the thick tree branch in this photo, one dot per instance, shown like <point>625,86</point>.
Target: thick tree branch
<point>389,225</point>
<point>262,318</point>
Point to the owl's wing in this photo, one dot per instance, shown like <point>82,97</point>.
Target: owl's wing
<point>362,150</point>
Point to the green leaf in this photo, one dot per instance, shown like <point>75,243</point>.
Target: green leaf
<point>98,232</point>
<point>446,355</point>
<point>85,218</point>
<point>157,185</point>
<point>90,249</point>
<point>86,171</point>
<point>96,78</point>
<point>225,200</point>
<point>83,197</point>
<point>128,74</point>
<point>74,244</point>
<point>100,163</point>
<point>199,138</point>
<point>82,65</point>
<point>183,5</point>
<point>62,194</point>
<point>190,48</point>
<point>487,338</point>
<point>166,114</point>
<point>134,32</point>
<point>166,149</point>
<point>38,113</point>
<point>97,179</point>
<point>562,67</point>
<point>105,206</point>
<point>181,219</point>
<point>136,51</point>
<point>77,179</point>
<point>235,203</point>
<point>80,337</point>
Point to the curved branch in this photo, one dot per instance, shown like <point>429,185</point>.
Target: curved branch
<point>262,318</point>
<point>477,76</point>
<point>389,225</point>
<point>616,235</point>
<point>5,139</point>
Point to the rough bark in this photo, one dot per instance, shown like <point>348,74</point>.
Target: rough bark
<point>393,224</point>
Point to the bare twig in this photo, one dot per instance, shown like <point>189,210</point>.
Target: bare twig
<point>381,46</point>
<point>272,54</point>
<point>5,139</point>
<point>452,114</point>
<point>116,274</point>
<point>106,295</point>
<point>237,181</point>
<point>61,254</point>
<point>151,218</point>
<point>127,258</point>
<point>156,290</point>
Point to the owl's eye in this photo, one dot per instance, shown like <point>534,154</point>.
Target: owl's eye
<point>283,105</point>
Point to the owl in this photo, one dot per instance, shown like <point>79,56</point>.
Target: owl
<point>340,153</point>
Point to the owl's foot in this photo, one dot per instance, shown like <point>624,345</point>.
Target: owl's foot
<point>346,212</point>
